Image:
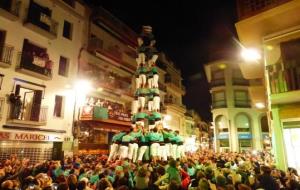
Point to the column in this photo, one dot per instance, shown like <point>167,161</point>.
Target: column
<point>278,140</point>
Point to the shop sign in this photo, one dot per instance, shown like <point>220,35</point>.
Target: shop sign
<point>19,136</point>
<point>245,136</point>
<point>223,136</point>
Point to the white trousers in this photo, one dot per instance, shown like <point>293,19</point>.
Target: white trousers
<point>162,152</point>
<point>141,58</point>
<point>142,151</point>
<point>156,103</point>
<point>114,148</point>
<point>137,82</point>
<point>150,105</point>
<point>134,106</point>
<point>143,79</point>
<point>169,149</point>
<point>180,151</point>
<point>123,152</point>
<point>150,82</point>
<point>174,151</point>
<point>133,151</point>
<point>155,80</point>
<point>154,149</point>
<point>142,101</point>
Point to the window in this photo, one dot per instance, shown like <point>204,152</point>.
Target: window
<point>242,123</point>
<point>69,2</point>
<point>63,66</point>
<point>237,78</point>
<point>221,124</point>
<point>67,31</point>
<point>219,99</point>
<point>241,98</point>
<point>218,78</point>
<point>264,124</point>
<point>58,106</point>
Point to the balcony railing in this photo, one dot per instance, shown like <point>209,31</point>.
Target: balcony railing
<point>248,8</point>
<point>219,104</point>
<point>240,82</point>
<point>103,113</point>
<point>41,22</point>
<point>283,80</point>
<point>113,52</point>
<point>6,54</point>
<point>35,66</point>
<point>217,82</point>
<point>242,103</point>
<point>23,116</point>
<point>10,9</point>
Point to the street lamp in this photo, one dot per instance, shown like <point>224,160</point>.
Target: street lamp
<point>250,55</point>
<point>81,89</point>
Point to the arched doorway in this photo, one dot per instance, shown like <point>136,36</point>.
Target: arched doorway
<point>243,126</point>
<point>222,130</point>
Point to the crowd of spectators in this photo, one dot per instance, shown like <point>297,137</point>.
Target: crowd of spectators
<point>203,170</point>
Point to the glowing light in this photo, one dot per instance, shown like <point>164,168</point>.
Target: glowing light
<point>99,89</point>
<point>167,117</point>
<point>254,152</point>
<point>260,105</point>
<point>222,66</point>
<point>250,55</point>
<point>82,86</point>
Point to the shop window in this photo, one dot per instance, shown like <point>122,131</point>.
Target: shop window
<point>63,66</point>
<point>67,30</point>
<point>221,124</point>
<point>242,123</point>
<point>58,106</point>
<point>224,143</point>
<point>245,142</point>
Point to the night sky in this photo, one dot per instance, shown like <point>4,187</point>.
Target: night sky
<point>191,34</point>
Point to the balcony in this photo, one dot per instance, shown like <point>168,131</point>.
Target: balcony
<point>284,83</point>
<point>240,82</point>
<point>41,22</point>
<point>6,54</point>
<point>36,66</point>
<point>96,47</point>
<point>10,9</point>
<point>248,8</point>
<point>24,117</point>
<point>175,104</point>
<point>217,82</point>
<point>103,113</point>
<point>219,104</point>
<point>242,103</point>
<point>175,84</point>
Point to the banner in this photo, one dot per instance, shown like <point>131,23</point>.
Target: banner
<point>20,136</point>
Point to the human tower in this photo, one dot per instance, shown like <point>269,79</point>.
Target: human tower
<point>148,139</point>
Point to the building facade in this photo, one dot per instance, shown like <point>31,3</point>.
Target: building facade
<point>278,40</point>
<point>172,99</point>
<point>237,124</point>
<point>39,44</point>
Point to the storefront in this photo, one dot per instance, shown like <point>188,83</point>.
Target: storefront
<point>245,141</point>
<point>98,124</point>
<point>35,146</point>
<point>223,139</point>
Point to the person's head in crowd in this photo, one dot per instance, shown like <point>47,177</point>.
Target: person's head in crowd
<point>221,181</point>
<point>104,184</point>
<point>7,185</point>
<point>203,184</point>
<point>173,185</point>
<point>62,186</point>
<point>123,187</point>
<point>266,170</point>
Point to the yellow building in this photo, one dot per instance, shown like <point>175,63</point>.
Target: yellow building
<point>273,28</point>
<point>237,124</point>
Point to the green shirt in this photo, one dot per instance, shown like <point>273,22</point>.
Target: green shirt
<point>136,134</point>
<point>128,138</point>
<point>174,174</point>
<point>154,90</point>
<point>141,115</point>
<point>118,137</point>
<point>155,137</point>
<point>156,115</point>
<point>142,70</point>
<point>154,70</point>
<point>144,138</point>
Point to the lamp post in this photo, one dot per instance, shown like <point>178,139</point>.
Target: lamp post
<point>81,89</point>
